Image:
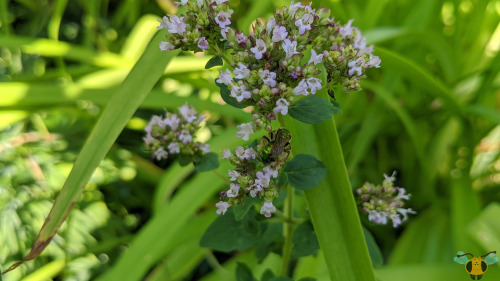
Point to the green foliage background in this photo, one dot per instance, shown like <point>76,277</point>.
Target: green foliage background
<point>431,112</point>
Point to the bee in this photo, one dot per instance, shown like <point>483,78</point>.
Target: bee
<point>476,266</point>
<point>275,147</point>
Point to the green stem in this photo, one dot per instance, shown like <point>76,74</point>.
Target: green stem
<point>288,231</point>
<point>222,176</point>
<point>331,203</point>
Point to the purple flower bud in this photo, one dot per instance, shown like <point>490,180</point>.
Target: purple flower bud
<point>294,74</point>
<point>262,103</point>
<point>271,116</point>
<point>255,116</point>
<point>341,58</point>
<point>165,138</point>
<point>358,191</point>
<point>255,91</point>
<point>335,47</point>
<point>275,91</point>
<point>325,53</point>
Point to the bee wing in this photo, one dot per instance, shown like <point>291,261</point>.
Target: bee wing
<point>462,259</point>
<point>491,258</point>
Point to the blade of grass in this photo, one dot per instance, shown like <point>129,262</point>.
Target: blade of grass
<point>258,9</point>
<point>122,106</point>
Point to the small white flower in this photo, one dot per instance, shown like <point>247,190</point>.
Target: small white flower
<point>163,23</point>
<point>240,152</point>
<point>160,153</point>
<point>267,209</point>
<point>200,3</point>
<point>315,58</point>
<point>402,194</point>
<point>177,25</point>
<point>226,153</point>
<point>259,49</point>
<point>250,153</point>
<point>225,77</point>
<point>294,7</point>
<point>405,212</point>
<point>346,30</point>
<point>222,207</point>
<point>205,147</point>
<point>220,2</point>
<point>359,40</point>
<point>268,77</point>
<point>290,48</point>
<point>185,137</point>
<point>271,23</point>
<point>378,217</point>
<point>270,171</point>
<point>188,112</point>
<point>203,43</point>
<point>240,37</point>
<point>304,23</point>
<point>149,140</point>
<point>396,220</point>
<point>279,33</point>
<point>182,2</point>
<point>222,18</point>
<point>281,106</point>
<point>356,66</point>
<point>155,121</point>
<point>255,190</point>
<point>233,175</point>
<point>240,93</point>
<point>233,191</point>
<point>262,179</point>
<point>390,179</point>
<point>241,71</point>
<point>245,130</point>
<point>174,148</point>
<point>166,46</point>
<point>301,88</point>
<point>314,84</point>
<point>223,32</point>
<point>373,61</point>
<point>172,121</point>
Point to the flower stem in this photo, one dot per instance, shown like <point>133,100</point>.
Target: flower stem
<point>288,231</point>
<point>222,176</point>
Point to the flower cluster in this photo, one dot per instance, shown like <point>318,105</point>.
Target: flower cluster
<point>381,202</point>
<point>279,60</point>
<point>205,23</point>
<point>249,178</point>
<point>175,133</point>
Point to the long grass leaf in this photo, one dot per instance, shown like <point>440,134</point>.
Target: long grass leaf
<point>122,106</point>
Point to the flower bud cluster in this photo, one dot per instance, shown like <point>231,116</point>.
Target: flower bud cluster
<point>346,55</point>
<point>174,134</point>
<point>249,178</point>
<point>383,202</point>
<point>204,24</point>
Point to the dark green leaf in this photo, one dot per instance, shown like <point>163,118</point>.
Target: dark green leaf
<point>373,249</point>
<point>185,159</point>
<point>305,171</point>
<point>307,279</point>
<point>207,162</point>
<point>225,94</point>
<point>281,180</point>
<point>336,107</point>
<point>240,211</point>
<point>312,110</point>
<point>243,273</point>
<point>270,241</point>
<point>267,275</point>
<point>304,241</point>
<point>214,61</point>
<point>226,234</point>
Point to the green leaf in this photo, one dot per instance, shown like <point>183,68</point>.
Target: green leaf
<point>243,273</point>
<point>282,179</point>
<point>270,241</point>
<point>307,279</point>
<point>225,94</point>
<point>266,276</point>
<point>336,107</point>
<point>185,159</point>
<point>226,234</point>
<point>113,119</point>
<point>312,110</point>
<point>373,249</point>
<point>214,61</point>
<point>207,162</point>
<point>304,241</point>
<point>240,211</point>
<point>305,172</point>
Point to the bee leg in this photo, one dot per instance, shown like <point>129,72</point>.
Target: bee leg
<point>263,142</point>
<point>479,277</point>
<point>473,277</point>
